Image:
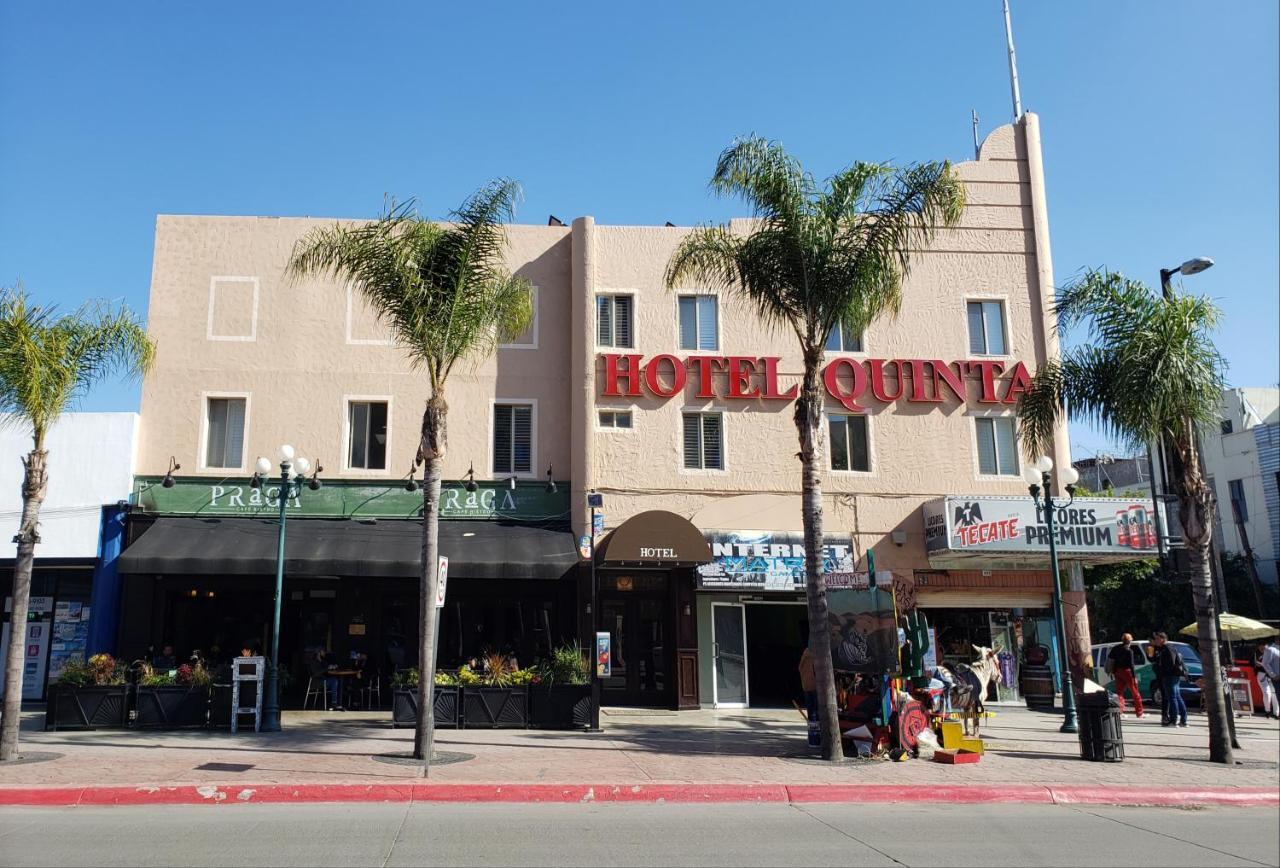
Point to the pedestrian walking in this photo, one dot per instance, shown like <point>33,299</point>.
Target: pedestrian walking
<point>1268,667</point>
<point>1170,668</point>
<point>1120,663</point>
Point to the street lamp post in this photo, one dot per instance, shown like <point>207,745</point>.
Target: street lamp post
<point>595,501</point>
<point>1037,476</point>
<point>293,470</point>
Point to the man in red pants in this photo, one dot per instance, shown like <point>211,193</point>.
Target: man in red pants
<point>1120,662</point>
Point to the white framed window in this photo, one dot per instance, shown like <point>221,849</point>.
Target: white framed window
<point>615,324</point>
<point>699,322</point>
<point>850,438</point>
<point>703,441</point>
<point>987,334</point>
<point>225,421</point>
<point>513,438</point>
<point>368,433</point>
<point>614,419</point>
<point>841,340</point>
<point>527,339</point>
<point>997,442</point>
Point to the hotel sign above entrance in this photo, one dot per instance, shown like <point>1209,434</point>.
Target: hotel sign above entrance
<point>851,382</point>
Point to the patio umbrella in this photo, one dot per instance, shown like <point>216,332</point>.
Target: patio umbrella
<point>1236,628</point>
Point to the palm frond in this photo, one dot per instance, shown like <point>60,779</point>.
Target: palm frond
<point>48,360</point>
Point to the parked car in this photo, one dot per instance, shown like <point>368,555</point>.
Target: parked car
<point>1145,674</point>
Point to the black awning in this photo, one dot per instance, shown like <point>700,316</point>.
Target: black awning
<point>320,547</point>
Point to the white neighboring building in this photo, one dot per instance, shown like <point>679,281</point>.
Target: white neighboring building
<point>1242,461</point>
<point>73,612</point>
<point>92,460</point>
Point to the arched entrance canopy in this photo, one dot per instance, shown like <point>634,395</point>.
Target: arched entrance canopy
<point>656,538</point>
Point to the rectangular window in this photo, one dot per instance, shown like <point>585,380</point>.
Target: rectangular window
<point>986,328</point>
<point>367,438</point>
<point>703,441</point>
<point>614,321</point>
<point>615,418</point>
<point>1236,487</point>
<point>225,438</point>
<point>698,322</point>
<point>841,340</point>
<point>997,446</point>
<point>849,443</point>
<point>512,438</point>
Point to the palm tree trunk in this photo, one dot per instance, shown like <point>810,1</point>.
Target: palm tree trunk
<point>808,418</point>
<point>1195,514</point>
<point>433,440</point>
<point>34,482</point>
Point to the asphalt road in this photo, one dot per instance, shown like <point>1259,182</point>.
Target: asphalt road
<point>614,834</point>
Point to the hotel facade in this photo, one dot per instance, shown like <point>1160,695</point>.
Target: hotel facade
<point>675,406</point>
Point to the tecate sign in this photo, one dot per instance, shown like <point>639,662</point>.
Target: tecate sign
<point>1018,525</point>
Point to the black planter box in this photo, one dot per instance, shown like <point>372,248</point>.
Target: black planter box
<point>404,707</point>
<point>560,706</point>
<point>220,703</point>
<point>94,707</point>
<point>495,707</point>
<point>170,707</point>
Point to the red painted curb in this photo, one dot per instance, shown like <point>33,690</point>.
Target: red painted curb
<point>641,793</point>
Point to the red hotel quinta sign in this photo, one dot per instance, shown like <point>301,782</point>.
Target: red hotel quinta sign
<point>848,381</point>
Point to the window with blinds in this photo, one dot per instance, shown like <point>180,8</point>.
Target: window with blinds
<point>997,446</point>
<point>367,435</point>
<point>614,323</point>
<point>850,447</point>
<point>224,445</point>
<point>512,438</point>
<point>986,328</point>
<point>841,340</point>
<point>703,441</point>
<point>699,326</point>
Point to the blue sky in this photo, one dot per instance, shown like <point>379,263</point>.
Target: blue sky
<point>1160,122</point>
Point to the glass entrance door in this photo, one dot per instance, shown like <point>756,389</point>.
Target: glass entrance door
<point>639,630</point>
<point>729,644</point>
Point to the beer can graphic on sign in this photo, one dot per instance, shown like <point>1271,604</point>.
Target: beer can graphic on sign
<point>1137,526</point>
<point>1122,527</point>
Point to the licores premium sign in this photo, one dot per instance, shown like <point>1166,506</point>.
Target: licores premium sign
<point>1017,525</point>
<point>851,382</point>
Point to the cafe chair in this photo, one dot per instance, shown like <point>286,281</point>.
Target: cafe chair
<point>315,690</point>
<point>372,687</point>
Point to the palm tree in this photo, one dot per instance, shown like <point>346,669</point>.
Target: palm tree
<point>817,257</point>
<point>1150,373</point>
<point>47,361</point>
<point>445,292</point>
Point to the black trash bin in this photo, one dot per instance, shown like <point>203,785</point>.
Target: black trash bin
<point>1101,739</point>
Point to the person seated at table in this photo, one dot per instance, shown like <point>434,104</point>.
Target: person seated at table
<point>164,661</point>
<point>321,665</point>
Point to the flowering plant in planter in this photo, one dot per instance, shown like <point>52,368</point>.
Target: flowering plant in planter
<point>88,695</point>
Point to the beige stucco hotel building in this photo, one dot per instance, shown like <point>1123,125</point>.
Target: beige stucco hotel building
<point>673,406</point>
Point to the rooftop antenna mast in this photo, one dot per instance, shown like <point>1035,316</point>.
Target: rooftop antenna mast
<point>975,133</point>
<point>1013,64</point>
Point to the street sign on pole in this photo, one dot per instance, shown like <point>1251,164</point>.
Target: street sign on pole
<point>604,665</point>
<point>597,522</point>
<point>444,579</point>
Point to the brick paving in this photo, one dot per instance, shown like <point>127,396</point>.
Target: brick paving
<point>636,747</point>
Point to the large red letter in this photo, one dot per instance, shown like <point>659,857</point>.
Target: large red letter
<point>831,377</point>
<point>1019,382</point>
<point>678,376</point>
<point>631,374</point>
<point>918,380</point>
<point>987,370</point>
<point>704,364</point>
<point>944,373</point>
<point>740,370</point>
<point>877,380</point>
<point>771,381</point>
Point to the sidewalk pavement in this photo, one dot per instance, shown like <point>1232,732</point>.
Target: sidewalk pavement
<point>642,752</point>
